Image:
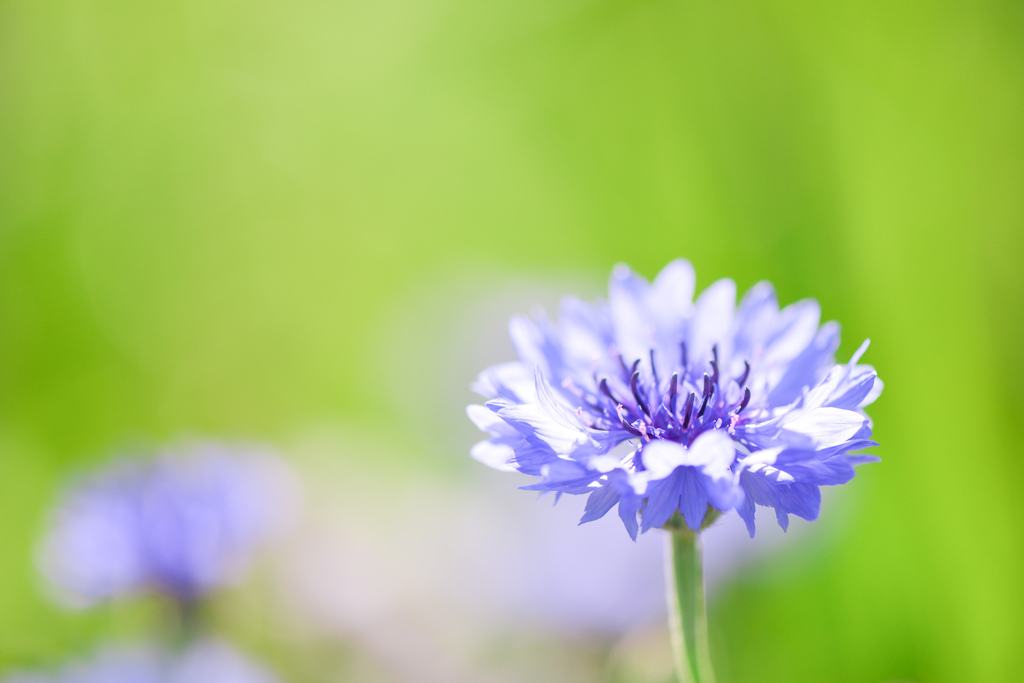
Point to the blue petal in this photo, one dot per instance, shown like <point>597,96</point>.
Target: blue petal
<point>802,500</point>
<point>794,329</point>
<point>661,458</point>
<point>767,486</point>
<point>537,344</point>
<point>876,391</point>
<point>807,368</point>
<point>529,457</point>
<point>783,518</point>
<point>757,314</point>
<point>724,493</point>
<point>712,319</point>
<point>672,289</point>
<point>825,427</point>
<point>851,445</point>
<point>628,509</point>
<point>565,476</point>
<point>746,511</point>
<point>670,302</point>
<point>511,382</point>
<point>599,503</point>
<point>629,501</point>
<point>852,394</point>
<point>809,468</point>
<point>663,499</point>
<point>694,502</point>
<point>627,299</point>
<point>541,426</point>
<point>497,451</point>
<point>494,453</point>
<point>713,452</point>
<point>586,330</point>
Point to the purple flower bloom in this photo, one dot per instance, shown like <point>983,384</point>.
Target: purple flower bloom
<point>182,523</point>
<point>207,661</point>
<point>656,403</point>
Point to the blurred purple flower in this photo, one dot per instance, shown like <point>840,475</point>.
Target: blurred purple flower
<point>713,407</point>
<point>206,661</point>
<point>182,523</point>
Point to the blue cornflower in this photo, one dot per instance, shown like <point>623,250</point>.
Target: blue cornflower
<point>657,404</point>
<point>181,523</point>
<point>206,661</point>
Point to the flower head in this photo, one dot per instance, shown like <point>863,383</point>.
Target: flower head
<point>181,523</point>
<point>206,661</point>
<point>657,404</point>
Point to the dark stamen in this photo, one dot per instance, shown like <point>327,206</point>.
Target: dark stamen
<point>654,371</point>
<point>608,392</point>
<point>622,364</point>
<point>629,428</point>
<point>672,388</point>
<point>708,389</point>
<point>703,407</point>
<point>714,364</point>
<point>689,409</point>
<point>633,386</point>
<point>745,401</point>
<point>746,372</point>
<point>682,347</point>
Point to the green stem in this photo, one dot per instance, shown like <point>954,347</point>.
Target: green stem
<point>185,623</point>
<point>684,579</point>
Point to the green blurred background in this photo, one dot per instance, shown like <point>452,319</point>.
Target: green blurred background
<point>219,218</point>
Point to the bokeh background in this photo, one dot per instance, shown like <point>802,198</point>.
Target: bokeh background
<point>306,224</point>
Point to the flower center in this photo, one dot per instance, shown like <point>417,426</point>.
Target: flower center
<point>678,408</point>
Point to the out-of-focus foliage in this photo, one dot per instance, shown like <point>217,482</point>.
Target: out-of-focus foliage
<point>219,218</point>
